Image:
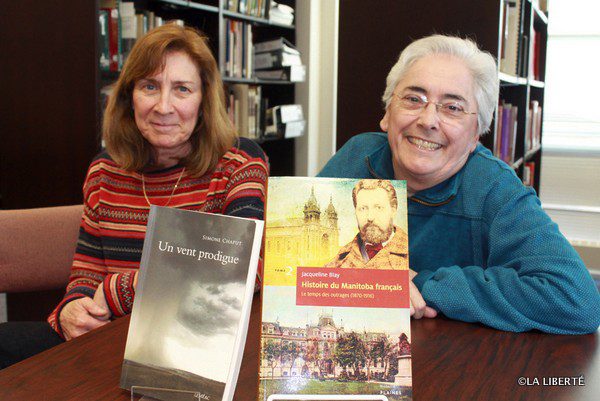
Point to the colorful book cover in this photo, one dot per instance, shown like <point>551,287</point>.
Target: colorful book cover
<point>192,304</point>
<point>335,315</point>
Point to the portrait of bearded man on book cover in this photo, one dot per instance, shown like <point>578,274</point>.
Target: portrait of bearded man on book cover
<point>379,244</point>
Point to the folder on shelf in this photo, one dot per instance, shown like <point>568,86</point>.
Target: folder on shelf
<point>276,59</point>
<point>276,44</point>
<point>292,73</point>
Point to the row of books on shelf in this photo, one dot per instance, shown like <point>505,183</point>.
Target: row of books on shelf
<point>275,59</point>
<point>506,130</point>
<point>275,12</point>
<point>529,174</point>
<point>509,37</point>
<point>246,108</point>
<point>254,8</point>
<point>534,65</point>
<point>518,57</point>
<point>238,49</point>
<point>533,127</point>
<point>334,327</point>
<point>250,113</point>
<point>119,27</point>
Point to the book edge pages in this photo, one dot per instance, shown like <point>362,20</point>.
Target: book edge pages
<point>140,284</point>
<point>240,341</point>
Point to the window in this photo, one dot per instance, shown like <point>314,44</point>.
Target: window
<point>571,118</point>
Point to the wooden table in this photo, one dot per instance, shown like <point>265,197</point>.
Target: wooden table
<point>451,361</point>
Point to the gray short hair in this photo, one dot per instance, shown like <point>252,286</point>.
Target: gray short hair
<point>481,63</point>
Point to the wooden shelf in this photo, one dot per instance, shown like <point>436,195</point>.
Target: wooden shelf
<point>263,21</point>
<point>517,164</point>
<point>114,75</point>
<point>226,13</point>
<point>511,80</point>
<point>256,81</point>
<point>270,139</point>
<point>191,4</point>
<point>536,83</point>
<point>531,153</point>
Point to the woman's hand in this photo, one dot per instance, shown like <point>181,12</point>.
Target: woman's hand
<point>100,299</point>
<point>418,307</point>
<point>83,315</point>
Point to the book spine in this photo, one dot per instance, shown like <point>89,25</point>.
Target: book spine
<point>238,50</point>
<point>505,132</point>
<point>228,48</point>
<point>513,134</point>
<point>528,127</point>
<point>104,41</point>
<point>240,339</point>
<point>498,138</point>
<point>113,38</point>
<point>248,49</point>
<point>536,56</point>
<point>244,58</point>
<point>538,128</point>
<point>509,64</point>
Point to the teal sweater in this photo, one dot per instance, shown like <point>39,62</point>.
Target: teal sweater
<point>484,249</point>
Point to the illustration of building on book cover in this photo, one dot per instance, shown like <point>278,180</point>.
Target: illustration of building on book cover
<point>193,298</point>
<point>336,307</point>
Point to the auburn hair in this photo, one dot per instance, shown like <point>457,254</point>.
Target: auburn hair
<point>213,134</point>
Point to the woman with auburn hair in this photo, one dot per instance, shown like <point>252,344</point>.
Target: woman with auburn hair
<point>169,142</point>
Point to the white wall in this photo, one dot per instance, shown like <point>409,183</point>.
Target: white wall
<point>317,39</point>
<point>570,194</point>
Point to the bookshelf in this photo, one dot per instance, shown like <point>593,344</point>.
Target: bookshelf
<point>405,21</point>
<point>215,18</point>
<point>523,88</point>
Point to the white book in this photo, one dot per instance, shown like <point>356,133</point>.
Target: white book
<point>508,64</point>
<point>192,305</point>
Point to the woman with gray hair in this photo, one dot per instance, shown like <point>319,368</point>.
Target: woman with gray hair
<point>481,247</point>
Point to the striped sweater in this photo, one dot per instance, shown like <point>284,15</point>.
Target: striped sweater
<point>115,215</point>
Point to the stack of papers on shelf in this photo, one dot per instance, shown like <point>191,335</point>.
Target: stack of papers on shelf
<point>285,121</point>
<point>279,44</point>
<point>292,73</point>
<point>281,58</point>
<point>281,14</point>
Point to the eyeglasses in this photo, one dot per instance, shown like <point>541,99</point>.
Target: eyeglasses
<point>449,112</point>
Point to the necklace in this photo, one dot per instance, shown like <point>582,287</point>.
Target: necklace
<point>172,192</point>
